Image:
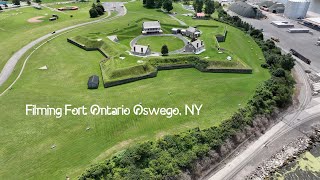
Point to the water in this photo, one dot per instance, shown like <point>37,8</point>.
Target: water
<point>307,167</point>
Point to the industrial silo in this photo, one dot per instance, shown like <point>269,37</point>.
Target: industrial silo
<point>296,9</point>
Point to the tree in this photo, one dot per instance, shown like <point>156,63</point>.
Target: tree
<point>158,3</point>
<point>16,2</point>
<point>98,1</point>
<point>209,8</point>
<point>216,4</point>
<point>29,3</point>
<point>1,8</point>
<point>279,72</point>
<point>164,50</point>
<point>198,5</point>
<point>38,1</point>
<point>186,2</point>
<point>150,3</point>
<point>93,13</point>
<point>167,5</point>
<point>256,33</point>
<point>287,62</point>
<point>100,9</point>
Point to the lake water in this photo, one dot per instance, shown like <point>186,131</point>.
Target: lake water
<point>307,167</point>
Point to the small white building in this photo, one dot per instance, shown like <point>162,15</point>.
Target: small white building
<point>140,50</point>
<point>151,27</point>
<point>196,47</point>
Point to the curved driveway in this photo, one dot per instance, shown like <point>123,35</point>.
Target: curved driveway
<point>10,65</point>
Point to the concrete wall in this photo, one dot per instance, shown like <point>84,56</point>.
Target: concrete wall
<point>315,6</point>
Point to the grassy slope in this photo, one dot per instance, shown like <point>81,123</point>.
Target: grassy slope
<point>16,30</point>
<point>26,140</point>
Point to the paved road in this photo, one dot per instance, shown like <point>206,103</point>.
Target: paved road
<point>231,169</point>
<point>10,65</point>
<point>302,42</point>
<point>308,109</point>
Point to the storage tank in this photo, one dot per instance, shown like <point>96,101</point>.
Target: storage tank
<point>296,9</point>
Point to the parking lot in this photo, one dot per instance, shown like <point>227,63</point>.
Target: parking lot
<point>304,43</point>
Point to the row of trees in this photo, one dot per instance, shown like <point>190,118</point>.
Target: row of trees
<point>172,155</point>
<point>165,4</point>
<point>96,10</point>
<point>198,5</point>
<point>209,6</point>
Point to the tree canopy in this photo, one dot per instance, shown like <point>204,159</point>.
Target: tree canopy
<point>96,10</point>
<point>164,50</point>
<point>209,7</point>
<point>198,5</point>
<point>167,5</point>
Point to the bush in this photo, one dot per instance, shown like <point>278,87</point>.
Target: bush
<point>96,10</point>
<point>93,13</point>
<point>279,73</point>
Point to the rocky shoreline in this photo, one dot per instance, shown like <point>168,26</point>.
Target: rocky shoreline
<point>286,155</point>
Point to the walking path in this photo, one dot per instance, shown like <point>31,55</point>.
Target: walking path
<point>10,65</point>
<point>173,17</point>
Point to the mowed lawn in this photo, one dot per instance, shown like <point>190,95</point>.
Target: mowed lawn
<point>16,31</point>
<point>156,42</point>
<point>26,141</point>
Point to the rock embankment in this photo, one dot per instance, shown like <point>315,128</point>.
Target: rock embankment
<point>287,154</point>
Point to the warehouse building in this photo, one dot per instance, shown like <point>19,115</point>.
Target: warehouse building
<point>243,9</point>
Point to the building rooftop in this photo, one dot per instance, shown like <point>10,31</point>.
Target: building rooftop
<point>245,10</point>
<point>314,20</point>
<point>194,43</point>
<point>151,24</point>
<point>200,14</point>
<point>281,23</point>
<point>192,29</point>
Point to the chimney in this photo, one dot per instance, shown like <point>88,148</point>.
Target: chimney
<point>134,49</point>
<point>142,50</point>
<point>197,44</point>
<point>201,42</point>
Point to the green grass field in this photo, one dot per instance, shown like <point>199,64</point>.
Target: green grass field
<point>26,141</point>
<point>15,28</point>
<point>157,42</point>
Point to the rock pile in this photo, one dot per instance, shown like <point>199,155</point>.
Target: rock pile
<point>287,154</point>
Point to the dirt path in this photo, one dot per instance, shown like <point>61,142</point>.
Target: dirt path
<point>36,19</point>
